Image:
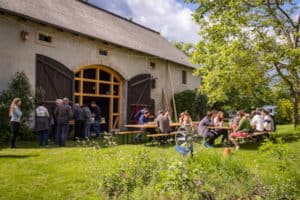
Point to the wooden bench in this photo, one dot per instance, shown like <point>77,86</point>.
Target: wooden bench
<point>254,137</point>
<point>159,137</point>
<point>125,135</point>
<point>128,132</point>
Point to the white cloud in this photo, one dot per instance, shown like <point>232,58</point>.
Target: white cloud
<point>170,18</point>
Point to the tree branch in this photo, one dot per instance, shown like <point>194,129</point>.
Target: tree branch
<point>285,14</point>
<point>281,26</point>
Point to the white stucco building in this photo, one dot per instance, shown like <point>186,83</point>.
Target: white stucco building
<point>70,48</point>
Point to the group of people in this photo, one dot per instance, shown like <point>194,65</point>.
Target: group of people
<point>242,125</point>
<point>58,122</point>
<point>209,127</point>
<point>86,117</point>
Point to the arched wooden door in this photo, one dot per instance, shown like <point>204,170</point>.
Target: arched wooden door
<point>139,95</point>
<point>104,86</point>
<point>54,78</point>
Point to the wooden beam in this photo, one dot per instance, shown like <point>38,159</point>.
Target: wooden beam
<point>172,91</point>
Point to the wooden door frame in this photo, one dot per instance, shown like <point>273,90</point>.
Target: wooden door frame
<point>111,96</point>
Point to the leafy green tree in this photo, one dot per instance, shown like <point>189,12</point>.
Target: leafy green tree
<point>20,87</point>
<point>185,47</point>
<point>246,44</point>
<point>284,111</point>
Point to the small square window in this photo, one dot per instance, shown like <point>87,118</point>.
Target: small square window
<point>152,64</point>
<point>45,38</point>
<point>103,52</point>
<point>184,77</point>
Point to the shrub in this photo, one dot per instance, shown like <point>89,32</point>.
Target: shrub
<point>280,177</point>
<point>192,101</point>
<point>284,112</point>
<point>136,172</point>
<point>20,87</point>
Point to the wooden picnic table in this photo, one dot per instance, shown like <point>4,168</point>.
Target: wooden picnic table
<point>220,127</point>
<point>154,125</point>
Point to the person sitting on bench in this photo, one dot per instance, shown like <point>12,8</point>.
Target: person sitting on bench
<point>143,119</point>
<point>163,122</point>
<point>268,121</point>
<point>257,122</point>
<point>205,132</point>
<point>242,130</point>
<point>218,121</point>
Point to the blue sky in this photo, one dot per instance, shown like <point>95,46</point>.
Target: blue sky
<point>172,18</point>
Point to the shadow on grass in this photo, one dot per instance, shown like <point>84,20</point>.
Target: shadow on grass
<point>17,156</point>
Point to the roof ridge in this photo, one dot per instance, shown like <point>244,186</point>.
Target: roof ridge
<point>118,16</point>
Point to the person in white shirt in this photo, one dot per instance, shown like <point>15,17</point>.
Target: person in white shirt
<point>268,121</point>
<point>257,121</point>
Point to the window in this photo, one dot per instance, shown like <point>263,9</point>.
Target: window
<point>152,65</point>
<point>103,52</point>
<point>45,38</point>
<point>184,77</point>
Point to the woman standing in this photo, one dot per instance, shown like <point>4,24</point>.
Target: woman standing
<point>15,115</point>
<point>42,124</point>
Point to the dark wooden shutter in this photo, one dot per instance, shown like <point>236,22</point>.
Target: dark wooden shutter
<point>54,78</point>
<point>139,94</point>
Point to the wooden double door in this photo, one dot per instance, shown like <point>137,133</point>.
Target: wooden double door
<point>93,83</point>
<point>55,79</point>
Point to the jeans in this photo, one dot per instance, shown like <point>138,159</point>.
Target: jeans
<point>62,133</point>
<point>139,136</point>
<point>97,128</point>
<point>14,126</point>
<point>87,133</point>
<point>43,137</point>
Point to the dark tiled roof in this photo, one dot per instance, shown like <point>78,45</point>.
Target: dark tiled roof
<point>79,17</point>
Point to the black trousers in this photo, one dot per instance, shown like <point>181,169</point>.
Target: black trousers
<point>14,127</point>
<point>224,134</point>
<point>211,137</point>
<point>79,129</point>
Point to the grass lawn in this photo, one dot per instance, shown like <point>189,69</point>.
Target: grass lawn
<point>82,171</point>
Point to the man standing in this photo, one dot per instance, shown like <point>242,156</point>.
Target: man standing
<point>96,114</point>
<point>79,121</point>
<point>63,114</point>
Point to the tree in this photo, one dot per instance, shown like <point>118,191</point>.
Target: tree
<point>20,87</point>
<point>247,44</point>
<point>185,47</point>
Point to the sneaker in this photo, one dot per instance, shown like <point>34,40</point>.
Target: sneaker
<point>237,147</point>
<point>208,145</point>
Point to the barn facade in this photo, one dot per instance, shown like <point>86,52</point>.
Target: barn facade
<point>70,48</point>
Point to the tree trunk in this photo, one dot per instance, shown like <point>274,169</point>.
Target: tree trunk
<point>296,109</point>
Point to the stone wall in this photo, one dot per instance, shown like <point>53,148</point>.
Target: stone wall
<point>76,51</point>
